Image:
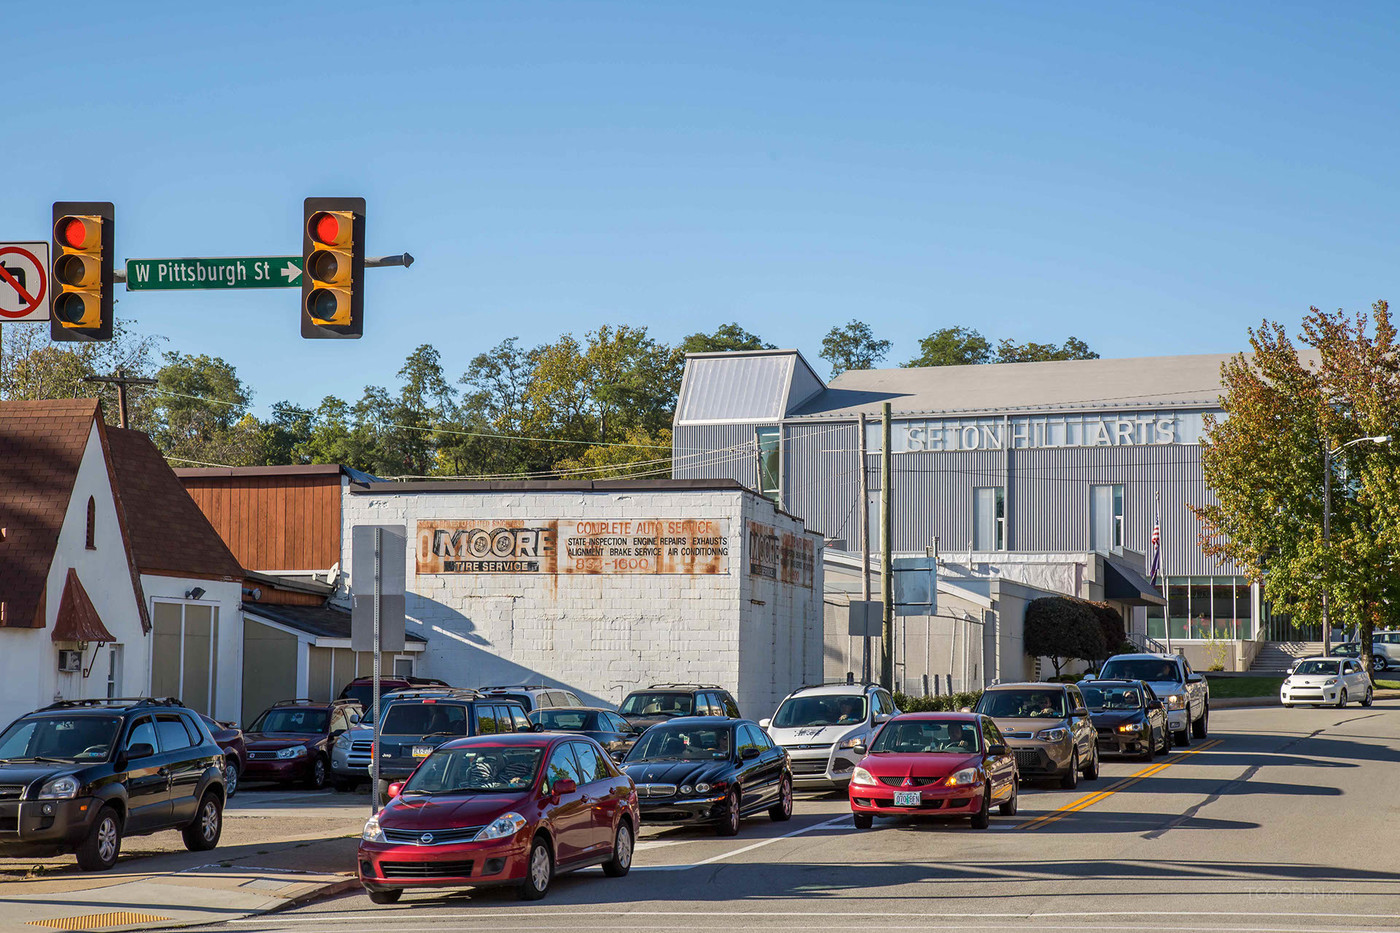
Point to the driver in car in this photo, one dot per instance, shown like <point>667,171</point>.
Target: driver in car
<point>848,712</point>
<point>1041,705</point>
<point>960,738</point>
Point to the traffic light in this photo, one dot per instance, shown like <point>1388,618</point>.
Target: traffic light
<point>333,262</point>
<point>80,299</point>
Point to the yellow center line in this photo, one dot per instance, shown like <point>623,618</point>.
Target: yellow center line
<point>1046,819</point>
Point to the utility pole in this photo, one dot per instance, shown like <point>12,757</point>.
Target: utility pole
<point>121,380</point>
<point>864,550</point>
<point>1327,546</point>
<point>886,556</point>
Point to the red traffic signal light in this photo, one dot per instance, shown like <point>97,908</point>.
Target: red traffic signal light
<point>333,259</point>
<point>80,303</point>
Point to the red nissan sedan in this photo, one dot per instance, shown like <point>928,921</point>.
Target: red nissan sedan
<point>501,809</point>
<point>935,764</point>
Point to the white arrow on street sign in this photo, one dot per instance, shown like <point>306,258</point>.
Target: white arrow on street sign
<point>291,272</point>
<point>24,281</point>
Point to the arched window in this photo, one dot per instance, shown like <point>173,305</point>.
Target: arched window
<point>92,524</point>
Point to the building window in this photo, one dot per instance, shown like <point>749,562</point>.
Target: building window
<point>769,463</point>
<point>1205,608</point>
<point>989,518</point>
<point>92,524</point>
<point>1105,518</point>
<point>114,670</point>
<point>185,653</point>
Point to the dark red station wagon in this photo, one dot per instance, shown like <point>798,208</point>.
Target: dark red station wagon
<point>501,809</point>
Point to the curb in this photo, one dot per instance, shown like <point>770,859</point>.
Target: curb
<point>1261,702</point>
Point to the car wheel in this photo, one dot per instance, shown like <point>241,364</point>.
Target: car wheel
<point>983,817</point>
<point>1012,803</point>
<point>781,811</point>
<point>390,896</point>
<point>623,844</point>
<point>1149,748</point>
<point>1091,770</point>
<point>204,830</point>
<point>862,820</point>
<point>1342,698</point>
<point>230,777</point>
<point>1201,727</point>
<point>1380,663</point>
<point>1369,698</point>
<point>1070,779</point>
<point>99,850</point>
<point>729,816</point>
<point>1288,706</point>
<point>539,871</point>
<point>317,778</point>
<point>1182,738</point>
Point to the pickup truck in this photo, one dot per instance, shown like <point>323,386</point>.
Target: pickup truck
<point>1184,693</point>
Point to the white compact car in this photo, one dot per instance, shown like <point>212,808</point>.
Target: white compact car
<point>825,730</point>
<point>1330,681</point>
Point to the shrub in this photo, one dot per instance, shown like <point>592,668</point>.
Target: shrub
<point>948,703</point>
<point>1061,628</point>
<point>1111,626</point>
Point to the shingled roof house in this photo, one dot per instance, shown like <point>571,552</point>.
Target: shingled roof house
<point>112,582</point>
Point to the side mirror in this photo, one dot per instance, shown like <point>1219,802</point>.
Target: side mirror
<point>765,723</point>
<point>140,750</point>
<point>1195,678</point>
<point>749,753</point>
<point>996,750</point>
<point>354,719</point>
<point>1155,704</point>
<point>860,749</point>
<point>564,786</point>
<point>1080,711</point>
<point>395,789</point>
<point>536,727</point>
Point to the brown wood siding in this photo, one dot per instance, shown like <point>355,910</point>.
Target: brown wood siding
<point>274,522</point>
<point>273,597</point>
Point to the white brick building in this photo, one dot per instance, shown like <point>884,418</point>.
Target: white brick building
<point>561,583</point>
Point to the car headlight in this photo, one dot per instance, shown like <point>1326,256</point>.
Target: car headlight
<point>59,789</point>
<point>1176,701</point>
<point>687,789</point>
<point>372,832</point>
<point>851,742</point>
<point>964,777</point>
<point>1132,727</point>
<point>296,751</point>
<point>1330,682</point>
<point>343,742</point>
<point>861,776</point>
<point>1057,734</point>
<point>703,788</point>
<point>508,824</point>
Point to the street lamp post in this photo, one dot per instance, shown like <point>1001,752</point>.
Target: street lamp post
<point>1327,456</point>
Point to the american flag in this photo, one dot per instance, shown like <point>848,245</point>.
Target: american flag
<point>1156,557</point>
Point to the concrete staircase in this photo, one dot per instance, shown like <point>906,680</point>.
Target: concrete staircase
<point>1278,656</point>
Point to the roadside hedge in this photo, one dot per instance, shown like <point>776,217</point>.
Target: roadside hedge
<point>948,703</point>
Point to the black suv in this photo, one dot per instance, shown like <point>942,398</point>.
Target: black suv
<point>79,775</point>
<point>417,721</point>
<point>660,702</point>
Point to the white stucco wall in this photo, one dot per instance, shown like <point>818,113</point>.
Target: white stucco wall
<point>29,676</point>
<point>606,634</point>
<point>228,597</point>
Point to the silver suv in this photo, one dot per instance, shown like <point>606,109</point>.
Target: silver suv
<point>540,696</point>
<point>823,728</point>
<point>1387,644</point>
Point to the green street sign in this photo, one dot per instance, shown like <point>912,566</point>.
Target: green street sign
<point>247,272</point>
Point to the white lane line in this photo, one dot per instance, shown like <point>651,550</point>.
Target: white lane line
<point>749,848</point>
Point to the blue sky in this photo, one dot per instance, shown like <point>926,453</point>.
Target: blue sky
<point>1153,178</point>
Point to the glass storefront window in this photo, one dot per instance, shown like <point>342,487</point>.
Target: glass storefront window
<point>1200,607</point>
<point>769,464</point>
<point>1223,607</point>
<point>1178,608</point>
<point>1156,622</point>
<point>1244,609</point>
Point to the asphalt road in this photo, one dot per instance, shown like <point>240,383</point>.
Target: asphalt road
<point>1281,820</point>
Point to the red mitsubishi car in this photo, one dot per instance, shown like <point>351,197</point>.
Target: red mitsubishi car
<point>935,764</point>
<point>514,808</point>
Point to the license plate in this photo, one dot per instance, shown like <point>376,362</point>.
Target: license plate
<point>907,798</point>
<point>422,751</point>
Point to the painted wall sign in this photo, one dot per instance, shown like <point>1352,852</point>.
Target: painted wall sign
<point>781,556</point>
<point>1026,432</point>
<point>563,546</point>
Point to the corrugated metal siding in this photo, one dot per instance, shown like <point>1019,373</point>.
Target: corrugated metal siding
<point>932,495</point>
<point>731,388</point>
<point>715,451</point>
<point>821,482</point>
<point>805,385</point>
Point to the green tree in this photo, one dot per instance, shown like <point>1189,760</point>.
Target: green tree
<point>1062,628</point>
<point>953,346</point>
<point>32,366</point>
<point>198,412</point>
<point>1264,461</point>
<point>1008,351</point>
<point>727,337</point>
<point>852,347</point>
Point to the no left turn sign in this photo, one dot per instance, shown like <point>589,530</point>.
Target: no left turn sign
<point>24,282</point>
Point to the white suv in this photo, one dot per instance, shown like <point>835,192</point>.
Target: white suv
<point>822,727</point>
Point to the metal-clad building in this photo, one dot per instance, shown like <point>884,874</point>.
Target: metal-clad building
<point>1059,457</point>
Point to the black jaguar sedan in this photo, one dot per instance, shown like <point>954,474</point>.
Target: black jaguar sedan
<point>1128,718</point>
<point>709,770</point>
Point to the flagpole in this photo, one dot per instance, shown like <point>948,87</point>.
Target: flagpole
<point>1162,568</point>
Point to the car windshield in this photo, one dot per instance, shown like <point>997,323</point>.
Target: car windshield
<point>412,717</point>
<point>681,743</point>
<point>77,738</point>
<point>820,711</point>
<point>563,719</point>
<point>1305,668</point>
<point>658,704</point>
<point>476,770</point>
<point>1140,669</point>
<point>924,736</point>
<point>1112,697</point>
<point>1022,704</point>
<point>292,719</point>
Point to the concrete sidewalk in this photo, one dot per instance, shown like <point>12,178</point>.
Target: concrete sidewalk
<point>182,889</point>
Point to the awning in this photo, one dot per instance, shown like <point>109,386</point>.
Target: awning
<point>77,616</point>
<point>1123,583</point>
